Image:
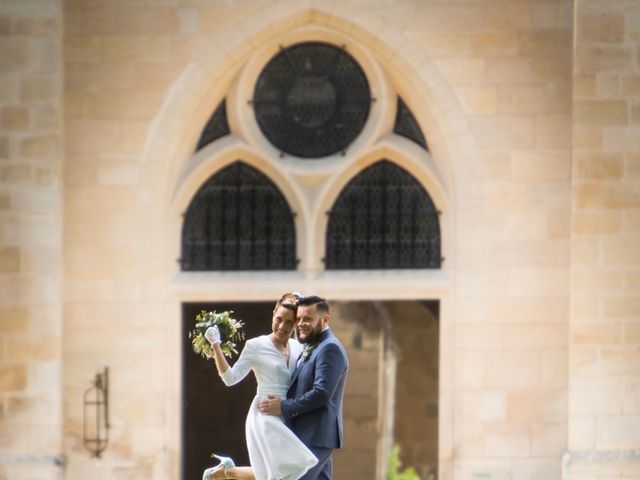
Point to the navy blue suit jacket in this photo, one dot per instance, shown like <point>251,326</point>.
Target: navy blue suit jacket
<point>313,407</point>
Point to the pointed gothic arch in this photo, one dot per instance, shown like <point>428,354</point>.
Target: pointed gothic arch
<point>205,82</point>
<point>238,220</point>
<point>383,219</point>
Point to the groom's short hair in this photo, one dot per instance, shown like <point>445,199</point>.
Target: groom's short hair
<point>322,306</point>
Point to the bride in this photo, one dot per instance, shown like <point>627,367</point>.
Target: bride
<point>275,452</point>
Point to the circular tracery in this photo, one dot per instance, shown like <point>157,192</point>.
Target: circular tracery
<point>312,100</point>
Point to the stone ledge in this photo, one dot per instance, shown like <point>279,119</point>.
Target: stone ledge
<point>57,460</point>
<point>593,464</point>
<point>599,455</point>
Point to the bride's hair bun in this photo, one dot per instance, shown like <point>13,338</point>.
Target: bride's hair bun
<point>289,301</point>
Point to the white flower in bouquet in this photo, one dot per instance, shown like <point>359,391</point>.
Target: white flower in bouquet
<point>230,333</point>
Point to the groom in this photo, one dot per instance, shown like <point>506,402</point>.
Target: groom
<point>313,407</point>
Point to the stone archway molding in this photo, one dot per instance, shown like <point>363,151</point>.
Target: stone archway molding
<point>213,158</point>
<point>420,166</point>
<point>205,81</point>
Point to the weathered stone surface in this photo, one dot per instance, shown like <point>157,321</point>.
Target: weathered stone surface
<point>9,259</point>
<point>540,235</point>
<point>13,376</point>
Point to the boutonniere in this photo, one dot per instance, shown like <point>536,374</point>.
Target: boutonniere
<point>306,351</point>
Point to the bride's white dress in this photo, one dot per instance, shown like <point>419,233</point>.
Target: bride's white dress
<point>275,452</point>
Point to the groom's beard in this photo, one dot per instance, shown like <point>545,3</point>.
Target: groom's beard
<point>311,337</point>
<point>300,337</point>
<point>307,340</point>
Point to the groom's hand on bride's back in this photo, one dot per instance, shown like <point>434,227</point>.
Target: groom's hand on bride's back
<point>270,406</point>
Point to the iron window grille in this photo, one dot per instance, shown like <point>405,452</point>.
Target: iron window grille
<point>312,100</point>
<point>383,219</point>
<point>238,220</point>
<point>407,125</point>
<point>217,126</point>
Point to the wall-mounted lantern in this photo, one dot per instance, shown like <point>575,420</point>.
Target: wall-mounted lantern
<point>95,418</point>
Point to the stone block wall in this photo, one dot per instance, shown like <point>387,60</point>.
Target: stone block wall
<point>604,366</point>
<point>30,239</point>
<point>498,72</point>
<point>509,65</point>
<point>534,104</point>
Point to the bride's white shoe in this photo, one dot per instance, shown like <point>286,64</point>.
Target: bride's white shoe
<point>225,464</point>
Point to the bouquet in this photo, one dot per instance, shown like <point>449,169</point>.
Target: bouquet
<point>230,333</point>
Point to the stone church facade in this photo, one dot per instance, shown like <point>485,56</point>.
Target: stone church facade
<point>516,357</point>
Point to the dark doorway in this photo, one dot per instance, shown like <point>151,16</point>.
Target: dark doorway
<point>373,332</point>
<point>393,349</point>
<point>416,332</point>
<point>213,415</point>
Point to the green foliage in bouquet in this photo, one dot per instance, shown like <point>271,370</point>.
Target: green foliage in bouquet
<point>393,468</point>
<point>230,333</point>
